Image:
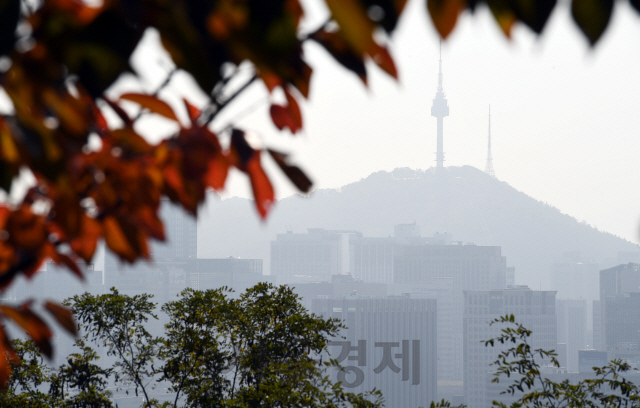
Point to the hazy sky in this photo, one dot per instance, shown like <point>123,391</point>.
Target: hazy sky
<point>565,117</point>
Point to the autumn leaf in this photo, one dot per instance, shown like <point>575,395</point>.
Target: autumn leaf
<point>263,193</point>
<point>193,112</point>
<point>503,14</point>
<point>288,116</point>
<point>248,160</point>
<point>85,244</point>
<point>297,176</point>
<point>152,103</point>
<point>63,315</point>
<point>444,14</point>
<point>33,325</point>
<point>8,356</point>
<point>336,45</point>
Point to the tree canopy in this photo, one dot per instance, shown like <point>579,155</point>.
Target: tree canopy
<point>99,179</point>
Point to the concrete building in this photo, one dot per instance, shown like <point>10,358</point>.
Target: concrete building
<point>311,257</point>
<point>534,309</point>
<point>575,276</point>
<point>389,344</point>
<point>572,329</point>
<point>181,232</point>
<point>618,286</point>
<point>236,273</point>
<point>449,325</point>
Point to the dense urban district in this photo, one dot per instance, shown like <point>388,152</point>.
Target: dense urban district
<point>416,306</point>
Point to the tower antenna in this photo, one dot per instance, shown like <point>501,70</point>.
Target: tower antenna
<point>440,109</point>
<point>489,167</point>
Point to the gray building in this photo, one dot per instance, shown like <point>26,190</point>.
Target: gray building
<point>311,257</point>
<point>534,309</point>
<point>390,343</point>
<point>572,329</point>
<point>618,301</point>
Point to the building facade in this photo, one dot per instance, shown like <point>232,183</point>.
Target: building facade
<point>536,310</point>
<point>390,343</point>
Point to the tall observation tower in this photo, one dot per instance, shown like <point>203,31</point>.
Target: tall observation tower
<point>440,109</point>
<point>489,167</point>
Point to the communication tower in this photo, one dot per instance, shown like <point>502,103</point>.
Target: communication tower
<point>489,167</point>
<point>440,109</point>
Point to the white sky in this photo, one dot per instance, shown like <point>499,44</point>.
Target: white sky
<point>565,117</point>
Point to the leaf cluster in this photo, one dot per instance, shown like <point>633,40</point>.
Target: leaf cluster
<point>522,365</point>
<point>79,383</point>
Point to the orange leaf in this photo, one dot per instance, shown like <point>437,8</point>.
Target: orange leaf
<point>86,242</point>
<point>64,260</point>
<point>8,356</point>
<point>116,239</point>
<point>504,16</point>
<point>217,172</point>
<point>152,103</point>
<point>444,14</point>
<point>194,113</point>
<point>63,315</point>
<point>383,59</point>
<point>262,189</point>
<point>32,325</point>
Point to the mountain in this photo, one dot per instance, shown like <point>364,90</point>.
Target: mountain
<point>463,201</point>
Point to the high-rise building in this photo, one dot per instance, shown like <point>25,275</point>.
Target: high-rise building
<point>236,273</point>
<point>575,276</point>
<point>572,329</point>
<point>181,233</point>
<point>407,260</point>
<point>534,309</point>
<point>311,257</point>
<point>390,344</point>
<point>618,301</point>
<point>598,343</point>
<point>449,324</point>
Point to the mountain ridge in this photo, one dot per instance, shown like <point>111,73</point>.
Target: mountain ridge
<point>463,201</point>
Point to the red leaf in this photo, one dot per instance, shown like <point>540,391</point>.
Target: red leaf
<point>194,113</point>
<point>217,172</point>
<point>262,189</point>
<point>288,116</point>
<point>64,260</point>
<point>87,241</point>
<point>120,112</point>
<point>32,325</point>
<point>63,315</point>
<point>116,239</point>
<point>152,103</point>
<point>444,14</point>
<point>7,357</point>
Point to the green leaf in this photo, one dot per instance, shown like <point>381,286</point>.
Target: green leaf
<point>534,13</point>
<point>592,16</point>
